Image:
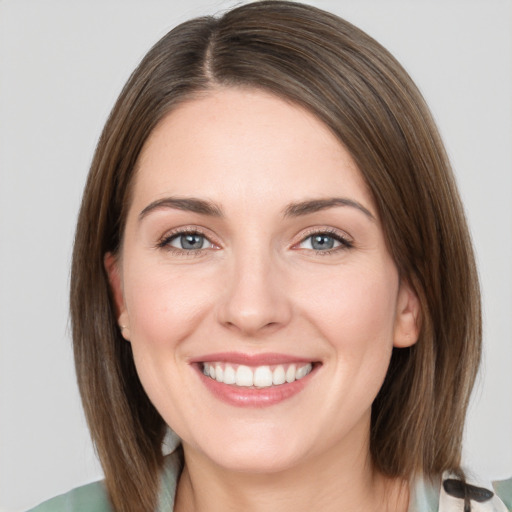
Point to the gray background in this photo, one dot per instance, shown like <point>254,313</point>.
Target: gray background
<point>62,64</point>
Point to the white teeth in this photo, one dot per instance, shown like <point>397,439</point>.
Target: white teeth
<point>301,372</point>
<point>279,376</point>
<point>260,376</point>
<point>229,375</point>
<point>290,373</point>
<point>244,376</point>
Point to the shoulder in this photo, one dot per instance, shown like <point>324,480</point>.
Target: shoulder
<point>503,489</point>
<point>87,498</point>
<point>94,497</point>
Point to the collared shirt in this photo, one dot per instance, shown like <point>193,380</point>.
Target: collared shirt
<point>445,495</point>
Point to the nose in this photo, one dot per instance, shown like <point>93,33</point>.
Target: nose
<point>255,301</point>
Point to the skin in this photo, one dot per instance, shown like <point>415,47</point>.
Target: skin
<point>259,286</point>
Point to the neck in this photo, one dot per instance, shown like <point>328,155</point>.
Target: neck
<point>329,483</point>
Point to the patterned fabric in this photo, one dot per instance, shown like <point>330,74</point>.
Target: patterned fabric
<point>448,495</point>
<point>445,495</point>
<point>456,496</point>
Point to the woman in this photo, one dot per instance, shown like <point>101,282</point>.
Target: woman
<point>272,260</point>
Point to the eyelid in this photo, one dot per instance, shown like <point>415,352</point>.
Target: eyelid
<point>346,242</point>
<point>163,241</point>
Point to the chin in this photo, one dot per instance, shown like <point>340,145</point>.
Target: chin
<point>254,454</point>
<point>258,463</point>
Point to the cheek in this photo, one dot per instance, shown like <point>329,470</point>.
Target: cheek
<point>353,307</point>
<point>165,304</point>
<point>356,317</point>
<point>165,307</point>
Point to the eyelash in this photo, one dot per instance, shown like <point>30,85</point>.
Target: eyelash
<point>164,243</point>
<point>345,243</point>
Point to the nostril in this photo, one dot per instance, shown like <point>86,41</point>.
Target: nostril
<point>251,305</point>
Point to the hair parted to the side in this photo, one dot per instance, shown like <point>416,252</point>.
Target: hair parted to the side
<point>350,82</point>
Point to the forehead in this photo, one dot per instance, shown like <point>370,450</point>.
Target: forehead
<point>234,143</point>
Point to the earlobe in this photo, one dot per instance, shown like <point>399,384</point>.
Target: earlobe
<point>408,317</point>
<point>112,268</point>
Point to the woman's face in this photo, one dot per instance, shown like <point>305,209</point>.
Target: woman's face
<point>253,252</point>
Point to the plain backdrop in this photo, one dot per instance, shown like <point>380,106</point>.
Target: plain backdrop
<point>62,64</point>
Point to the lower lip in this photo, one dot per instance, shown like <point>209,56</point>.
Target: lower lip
<point>240,396</point>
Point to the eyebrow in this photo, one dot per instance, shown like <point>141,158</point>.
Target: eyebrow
<point>316,205</point>
<point>188,204</point>
<point>205,207</point>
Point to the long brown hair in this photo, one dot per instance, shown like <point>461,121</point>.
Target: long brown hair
<point>350,82</point>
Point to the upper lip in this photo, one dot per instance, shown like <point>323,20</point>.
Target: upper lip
<point>250,359</point>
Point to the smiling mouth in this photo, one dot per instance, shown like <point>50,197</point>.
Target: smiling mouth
<point>256,377</point>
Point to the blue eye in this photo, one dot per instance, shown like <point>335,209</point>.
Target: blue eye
<point>187,242</point>
<point>324,242</point>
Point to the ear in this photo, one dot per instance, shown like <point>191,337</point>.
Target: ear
<point>408,317</point>
<point>113,272</point>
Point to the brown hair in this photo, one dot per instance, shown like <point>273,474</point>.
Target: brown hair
<point>351,83</point>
